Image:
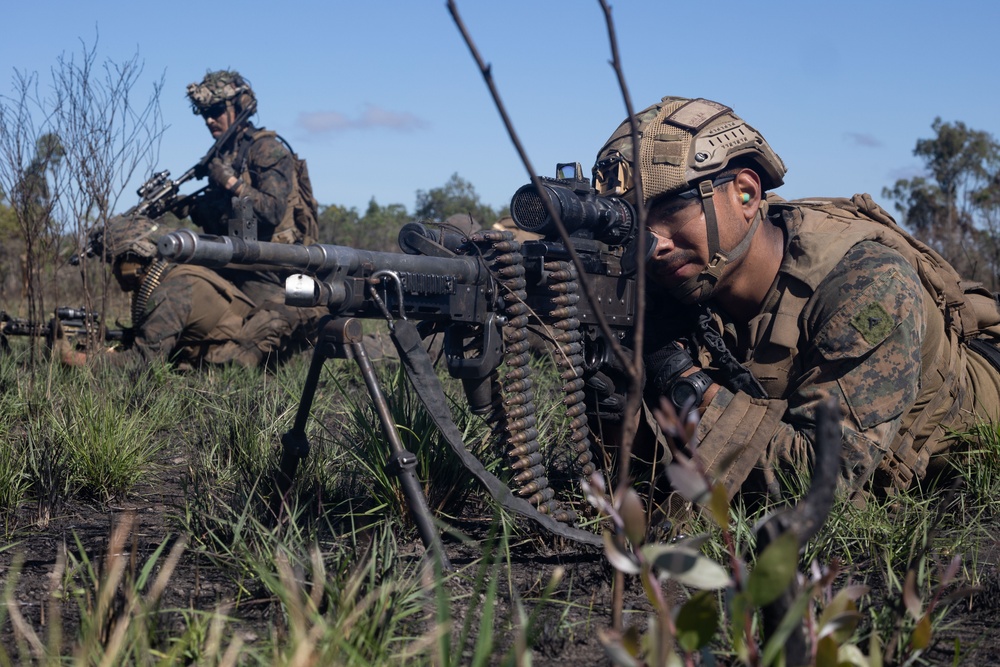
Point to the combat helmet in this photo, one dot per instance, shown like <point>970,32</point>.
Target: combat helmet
<point>684,146</point>
<point>221,87</point>
<point>125,235</point>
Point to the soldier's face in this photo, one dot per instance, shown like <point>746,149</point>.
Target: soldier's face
<point>218,118</point>
<point>681,234</point>
<point>678,226</point>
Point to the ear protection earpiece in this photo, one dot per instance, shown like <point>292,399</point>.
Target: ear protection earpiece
<point>745,197</point>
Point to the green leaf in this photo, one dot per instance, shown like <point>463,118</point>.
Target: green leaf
<point>719,504</point>
<point>632,640</point>
<point>841,626</point>
<point>792,619</point>
<point>775,570</point>
<point>850,655</point>
<point>739,608</point>
<point>921,637</point>
<point>874,650</point>
<point>826,652</point>
<point>686,566</point>
<point>621,560</point>
<point>843,601</point>
<point>634,517</point>
<point>697,621</point>
<point>686,480</point>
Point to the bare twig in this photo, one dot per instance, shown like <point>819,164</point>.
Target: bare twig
<point>549,209</point>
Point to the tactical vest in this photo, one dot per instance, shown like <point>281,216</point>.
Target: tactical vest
<point>300,223</point>
<point>822,231</point>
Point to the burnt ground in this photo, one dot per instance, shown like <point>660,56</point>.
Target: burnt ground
<point>565,634</point>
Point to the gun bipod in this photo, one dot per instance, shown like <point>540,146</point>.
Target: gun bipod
<point>341,338</point>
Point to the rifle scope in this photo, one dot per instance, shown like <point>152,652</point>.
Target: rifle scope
<point>583,213</point>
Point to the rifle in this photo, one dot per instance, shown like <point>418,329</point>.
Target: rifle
<point>75,323</point>
<point>483,292</point>
<point>159,194</point>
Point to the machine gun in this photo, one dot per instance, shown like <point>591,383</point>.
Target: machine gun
<point>483,291</point>
<point>76,323</point>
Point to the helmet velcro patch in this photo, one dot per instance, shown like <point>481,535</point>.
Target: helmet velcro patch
<point>696,114</point>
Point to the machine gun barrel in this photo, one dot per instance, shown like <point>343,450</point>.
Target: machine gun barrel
<point>184,246</point>
<point>457,288</point>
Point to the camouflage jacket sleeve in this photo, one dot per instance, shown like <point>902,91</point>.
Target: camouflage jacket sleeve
<point>270,168</point>
<point>860,340</point>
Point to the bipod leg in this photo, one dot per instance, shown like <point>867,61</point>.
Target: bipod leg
<point>402,463</point>
<point>294,444</point>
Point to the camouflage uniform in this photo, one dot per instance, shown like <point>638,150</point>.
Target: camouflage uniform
<point>184,314</point>
<point>193,317</point>
<point>267,170</point>
<point>267,177</point>
<point>858,310</point>
<point>857,323</point>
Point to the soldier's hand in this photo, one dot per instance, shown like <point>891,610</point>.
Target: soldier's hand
<point>665,366</point>
<point>60,346</point>
<point>222,175</point>
<point>605,391</point>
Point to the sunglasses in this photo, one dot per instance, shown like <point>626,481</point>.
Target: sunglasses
<point>214,111</point>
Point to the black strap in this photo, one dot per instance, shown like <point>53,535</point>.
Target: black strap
<point>986,350</point>
<point>737,376</point>
<point>421,373</point>
<point>239,164</point>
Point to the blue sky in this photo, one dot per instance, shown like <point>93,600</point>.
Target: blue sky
<point>383,98</point>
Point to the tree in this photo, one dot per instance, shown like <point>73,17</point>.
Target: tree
<point>65,159</point>
<point>30,156</point>
<point>109,133</point>
<point>955,207</point>
<point>377,229</point>
<point>457,196</point>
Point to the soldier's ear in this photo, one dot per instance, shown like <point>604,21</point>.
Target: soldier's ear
<point>748,192</point>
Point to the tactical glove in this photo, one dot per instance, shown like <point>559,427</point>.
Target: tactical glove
<point>222,175</point>
<point>605,391</point>
<point>665,366</point>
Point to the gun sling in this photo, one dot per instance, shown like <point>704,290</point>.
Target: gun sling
<point>421,373</point>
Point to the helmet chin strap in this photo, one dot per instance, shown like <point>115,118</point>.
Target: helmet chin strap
<point>700,287</point>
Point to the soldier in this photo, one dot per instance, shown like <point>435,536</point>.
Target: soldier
<point>256,165</point>
<point>810,298</point>
<point>184,314</point>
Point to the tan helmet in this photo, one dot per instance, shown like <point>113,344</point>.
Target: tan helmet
<point>125,235</point>
<point>683,147</point>
<point>219,87</point>
<point>681,143</point>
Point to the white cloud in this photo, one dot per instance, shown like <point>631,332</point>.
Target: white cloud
<point>326,122</point>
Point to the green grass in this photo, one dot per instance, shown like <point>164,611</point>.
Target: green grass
<point>337,577</point>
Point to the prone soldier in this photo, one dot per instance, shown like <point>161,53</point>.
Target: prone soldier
<point>789,301</point>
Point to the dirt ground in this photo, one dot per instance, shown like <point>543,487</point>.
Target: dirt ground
<point>567,634</point>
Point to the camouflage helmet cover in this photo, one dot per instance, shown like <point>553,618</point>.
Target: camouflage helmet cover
<point>126,235</point>
<point>682,142</point>
<point>218,87</point>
